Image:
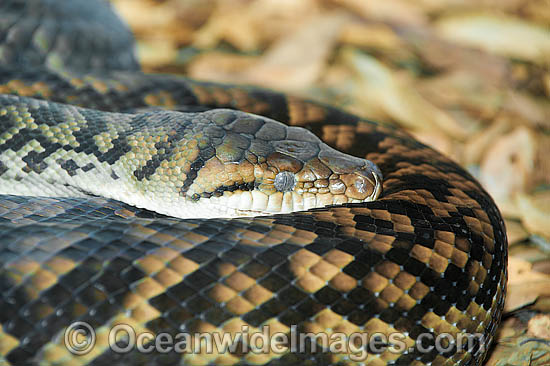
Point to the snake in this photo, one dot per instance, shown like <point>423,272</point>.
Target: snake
<point>167,206</point>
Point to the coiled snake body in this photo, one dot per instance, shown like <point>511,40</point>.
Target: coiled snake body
<point>427,257</point>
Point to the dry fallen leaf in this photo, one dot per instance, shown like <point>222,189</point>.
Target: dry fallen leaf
<point>394,93</point>
<point>539,326</point>
<point>146,18</point>
<point>542,266</point>
<point>291,63</point>
<point>542,304</point>
<point>507,166</point>
<point>479,67</point>
<point>536,113</point>
<point>232,22</point>
<point>296,61</point>
<point>439,141</point>
<point>535,212</point>
<point>463,89</point>
<point>220,66</point>
<point>479,143</point>
<point>519,350</point>
<point>157,52</point>
<point>541,176</point>
<point>503,35</point>
<point>524,285</point>
<point>528,252</point>
<point>537,10</point>
<point>515,232</point>
<point>248,25</point>
<point>379,36</point>
<point>389,10</point>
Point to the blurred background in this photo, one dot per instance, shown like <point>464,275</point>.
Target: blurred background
<point>470,78</point>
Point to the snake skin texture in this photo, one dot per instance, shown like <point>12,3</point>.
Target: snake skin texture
<point>428,257</point>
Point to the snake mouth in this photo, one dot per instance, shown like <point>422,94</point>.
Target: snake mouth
<point>284,188</point>
<point>358,187</point>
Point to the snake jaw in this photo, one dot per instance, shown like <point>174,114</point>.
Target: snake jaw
<point>289,191</point>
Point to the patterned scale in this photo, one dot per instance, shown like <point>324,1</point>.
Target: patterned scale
<point>428,257</point>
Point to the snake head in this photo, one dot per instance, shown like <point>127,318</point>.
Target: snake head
<point>260,167</point>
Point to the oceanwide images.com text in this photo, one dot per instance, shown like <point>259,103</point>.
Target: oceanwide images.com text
<point>80,339</point>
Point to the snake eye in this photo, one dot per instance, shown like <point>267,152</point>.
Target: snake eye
<point>285,182</point>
